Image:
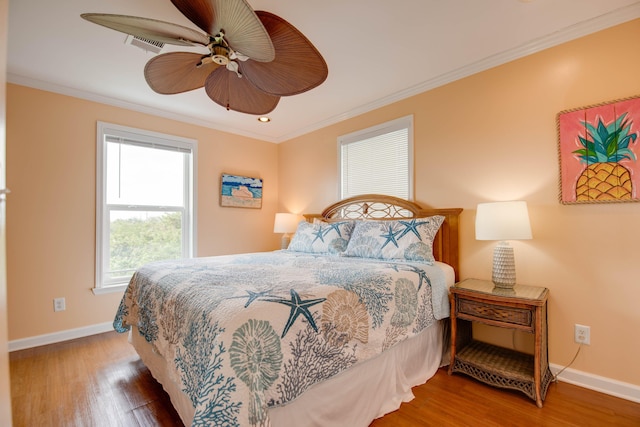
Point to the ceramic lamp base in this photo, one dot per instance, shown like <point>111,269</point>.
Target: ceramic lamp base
<point>504,266</point>
<point>284,243</point>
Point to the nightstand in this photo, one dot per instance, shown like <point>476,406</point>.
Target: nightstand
<point>525,309</point>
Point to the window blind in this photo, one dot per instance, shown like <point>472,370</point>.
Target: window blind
<point>377,160</point>
<point>148,143</point>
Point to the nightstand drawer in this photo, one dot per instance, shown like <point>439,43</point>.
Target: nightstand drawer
<point>496,313</point>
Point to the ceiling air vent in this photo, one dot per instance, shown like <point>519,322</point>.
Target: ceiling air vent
<point>144,44</point>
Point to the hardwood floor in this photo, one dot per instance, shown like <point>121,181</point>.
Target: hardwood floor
<point>100,381</point>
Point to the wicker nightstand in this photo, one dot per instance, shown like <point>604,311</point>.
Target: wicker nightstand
<point>524,309</point>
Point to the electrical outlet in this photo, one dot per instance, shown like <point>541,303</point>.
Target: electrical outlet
<point>59,304</point>
<point>582,334</point>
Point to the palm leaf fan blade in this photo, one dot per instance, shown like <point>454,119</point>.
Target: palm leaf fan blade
<point>177,72</point>
<point>243,30</point>
<point>298,66</point>
<point>200,12</point>
<point>150,29</point>
<point>238,94</point>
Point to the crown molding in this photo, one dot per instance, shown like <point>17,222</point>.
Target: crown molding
<point>573,32</point>
<point>114,102</point>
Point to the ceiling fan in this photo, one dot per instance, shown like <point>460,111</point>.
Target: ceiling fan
<point>253,58</point>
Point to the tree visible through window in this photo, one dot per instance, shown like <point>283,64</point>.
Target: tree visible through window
<point>144,201</point>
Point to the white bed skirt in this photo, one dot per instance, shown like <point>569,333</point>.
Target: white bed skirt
<point>352,398</point>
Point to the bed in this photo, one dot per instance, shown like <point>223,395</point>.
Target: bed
<point>335,330</point>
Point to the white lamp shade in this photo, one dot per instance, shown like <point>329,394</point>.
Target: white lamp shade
<point>286,223</point>
<point>503,221</point>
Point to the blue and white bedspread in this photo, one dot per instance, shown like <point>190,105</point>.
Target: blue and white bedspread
<point>242,333</point>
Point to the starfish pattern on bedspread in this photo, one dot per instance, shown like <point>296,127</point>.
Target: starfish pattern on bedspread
<point>235,354</point>
<point>298,307</point>
<point>422,275</point>
<point>252,296</point>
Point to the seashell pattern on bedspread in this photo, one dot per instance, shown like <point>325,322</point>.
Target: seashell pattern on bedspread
<point>243,333</point>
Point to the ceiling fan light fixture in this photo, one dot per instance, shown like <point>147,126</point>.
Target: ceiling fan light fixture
<point>220,55</point>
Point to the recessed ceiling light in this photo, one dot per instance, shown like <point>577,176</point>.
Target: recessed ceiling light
<point>264,119</point>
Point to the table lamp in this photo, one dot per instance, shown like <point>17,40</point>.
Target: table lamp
<point>285,223</point>
<point>503,221</point>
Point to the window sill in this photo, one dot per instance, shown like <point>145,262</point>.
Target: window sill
<point>109,289</point>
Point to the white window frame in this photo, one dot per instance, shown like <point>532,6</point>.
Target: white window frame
<point>405,122</point>
<point>152,140</point>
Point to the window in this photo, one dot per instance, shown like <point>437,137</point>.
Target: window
<point>378,160</point>
<point>144,201</point>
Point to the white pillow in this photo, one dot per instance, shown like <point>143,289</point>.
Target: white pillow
<point>322,237</point>
<point>410,239</point>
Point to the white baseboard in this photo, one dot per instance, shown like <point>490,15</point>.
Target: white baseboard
<point>601,384</point>
<point>582,379</point>
<point>55,337</point>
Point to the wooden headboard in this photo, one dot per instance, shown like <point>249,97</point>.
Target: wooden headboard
<point>380,207</point>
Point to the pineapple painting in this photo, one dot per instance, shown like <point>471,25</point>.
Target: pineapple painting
<point>604,147</point>
<point>597,161</point>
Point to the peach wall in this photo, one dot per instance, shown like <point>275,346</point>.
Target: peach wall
<point>492,136</point>
<point>51,219</point>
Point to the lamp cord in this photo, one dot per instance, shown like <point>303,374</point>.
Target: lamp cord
<point>555,377</point>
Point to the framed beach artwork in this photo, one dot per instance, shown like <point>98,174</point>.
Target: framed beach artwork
<point>240,191</point>
<point>598,152</point>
